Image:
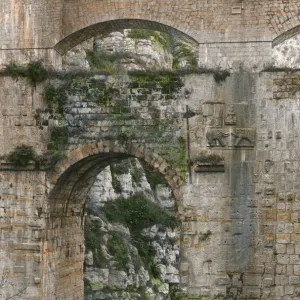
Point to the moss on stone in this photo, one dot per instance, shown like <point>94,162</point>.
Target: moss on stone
<point>22,156</point>
<point>56,97</point>
<point>59,139</point>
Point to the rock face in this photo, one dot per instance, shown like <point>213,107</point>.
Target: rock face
<point>125,258</point>
<point>287,54</point>
<point>131,49</point>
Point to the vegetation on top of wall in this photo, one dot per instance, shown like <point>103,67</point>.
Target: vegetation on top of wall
<point>219,75</point>
<point>22,156</point>
<point>274,69</point>
<point>169,81</point>
<point>34,70</point>
<point>205,158</point>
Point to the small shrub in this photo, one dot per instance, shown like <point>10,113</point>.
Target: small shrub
<point>154,178</point>
<point>93,241</point>
<point>169,81</point>
<point>137,174</point>
<point>186,53</point>
<point>274,69</point>
<point>15,70</point>
<point>117,247</point>
<point>212,159</point>
<point>165,39</point>
<point>22,155</point>
<point>34,71</point>
<point>138,213</point>
<point>205,236</point>
<point>221,76</point>
<point>116,184</point>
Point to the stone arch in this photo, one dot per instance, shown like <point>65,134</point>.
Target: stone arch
<point>286,35</point>
<point>82,34</point>
<point>69,183</point>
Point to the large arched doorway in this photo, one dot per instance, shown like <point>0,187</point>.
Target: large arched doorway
<point>64,235</point>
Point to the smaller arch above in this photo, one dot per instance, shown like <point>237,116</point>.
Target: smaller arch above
<point>107,27</point>
<point>286,35</point>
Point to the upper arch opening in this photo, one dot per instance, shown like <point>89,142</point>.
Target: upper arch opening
<point>107,27</point>
<point>286,35</point>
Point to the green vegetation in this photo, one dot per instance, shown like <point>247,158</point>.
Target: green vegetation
<point>102,61</point>
<point>184,52</point>
<point>138,213</point>
<point>35,71</point>
<point>59,139</point>
<point>56,97</point>
<point>93,241</point>
<point>220,76</point>
<point>182,158</point>
<point>273,69</point>
<point>109,63</point>
<point>118,249</point>
<point>136,174</point>
<point>22,156</point>
<point>164,39</point>
<point>168,81</point>
<point>212,159</point>
<point>154,178</point>
<point>205,236</point>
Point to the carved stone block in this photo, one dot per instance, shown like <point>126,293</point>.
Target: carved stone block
<point>230,118</point>
<point>244,137</point>
<point>216,137</point>
<point>237,138</point>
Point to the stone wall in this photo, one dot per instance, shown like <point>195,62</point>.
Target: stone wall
<point>239,207</point>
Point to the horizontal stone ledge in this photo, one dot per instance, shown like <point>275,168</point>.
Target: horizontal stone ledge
<point>26,247</point>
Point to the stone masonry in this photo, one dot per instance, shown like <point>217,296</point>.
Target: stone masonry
<point>240,215</point>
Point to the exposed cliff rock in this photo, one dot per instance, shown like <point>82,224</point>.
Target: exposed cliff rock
<point>132,49</point>
<point>132,247</point>
<point>287,54</point>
